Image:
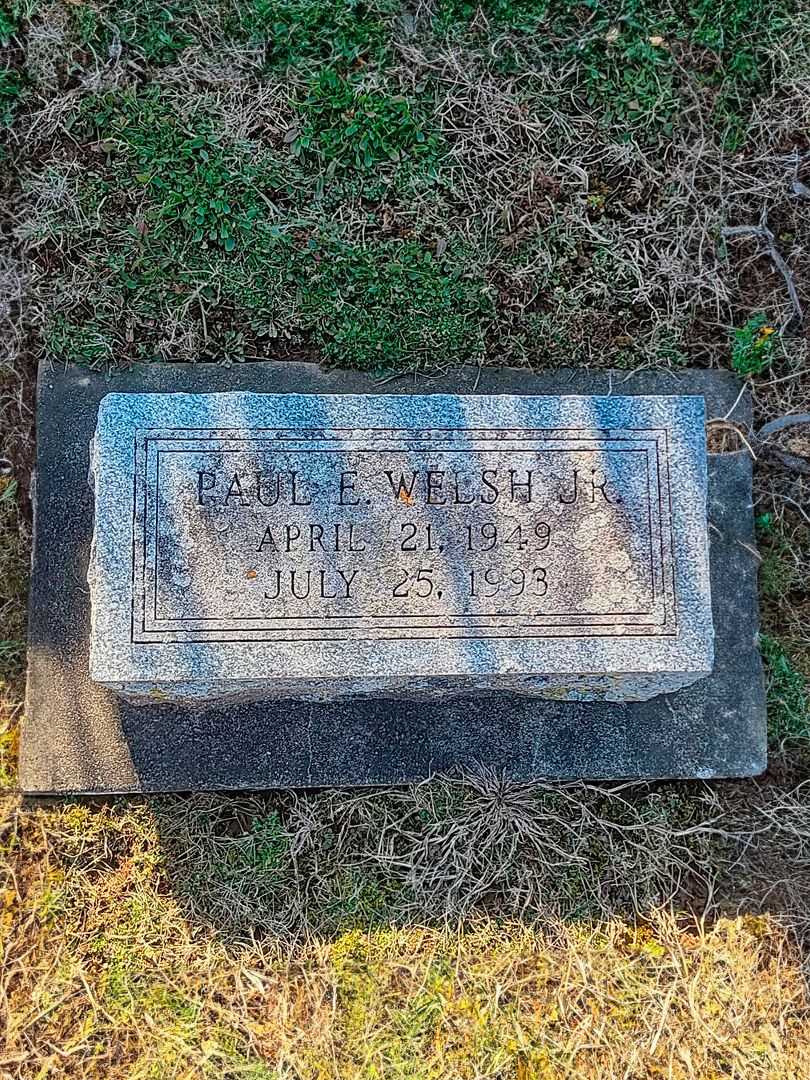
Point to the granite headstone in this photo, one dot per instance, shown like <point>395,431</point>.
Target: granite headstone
<point>319,546</point>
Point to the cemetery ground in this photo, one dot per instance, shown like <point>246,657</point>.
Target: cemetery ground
<point>405,188</point>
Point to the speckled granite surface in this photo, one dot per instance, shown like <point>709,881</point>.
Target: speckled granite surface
<point>332,545</point>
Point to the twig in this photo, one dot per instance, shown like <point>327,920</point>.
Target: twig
<point>727,425</point>
<point>793,502</point>
<point>762,232</point>
<point>743,388</point>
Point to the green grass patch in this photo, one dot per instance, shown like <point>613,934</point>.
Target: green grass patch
<point>11,654</point>
<point>272,845</point>
<point>154,31</point>
<point>9,23</point>
<point>12,87</point>
<point>184,221</point>
<point>149,31</point>
<point>314,32</point>
<point>393,304</point>
<point>355,897</point>
<point>188,175</point>
<point>222,245</point>
<point>788,696</point>
<point>14,14</point>
<point>293,33</point>
<point>780,572</point>
<point>382,307</point>
<point>346,125</point>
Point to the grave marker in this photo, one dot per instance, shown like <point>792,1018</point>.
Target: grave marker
<point>214,715</point>
<point>313,547</point>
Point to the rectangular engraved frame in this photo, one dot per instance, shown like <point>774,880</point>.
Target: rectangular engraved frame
<point>659,619</point>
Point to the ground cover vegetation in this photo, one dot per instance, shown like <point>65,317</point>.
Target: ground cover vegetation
<point>403,187</point>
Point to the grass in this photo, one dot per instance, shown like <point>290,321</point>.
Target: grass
<point>350,289</point>
<point>538,181</point>
<point>347,127</point>
<point>405,188</point>
<point>162,990</point>
<point>292,34</point>
<point>788,700</point>
<point>638,65</point>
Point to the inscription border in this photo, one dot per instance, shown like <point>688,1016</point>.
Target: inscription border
<point>407,435</point>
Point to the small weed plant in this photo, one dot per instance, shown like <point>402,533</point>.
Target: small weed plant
<point>752,348</point>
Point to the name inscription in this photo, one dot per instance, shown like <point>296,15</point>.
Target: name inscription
<point>253,534</point>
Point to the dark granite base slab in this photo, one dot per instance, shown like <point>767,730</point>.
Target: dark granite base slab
<point>78,737</point>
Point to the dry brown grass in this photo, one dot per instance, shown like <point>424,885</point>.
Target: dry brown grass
<point>152,992</point>
<point>644,222</point>
<point>307,864</point>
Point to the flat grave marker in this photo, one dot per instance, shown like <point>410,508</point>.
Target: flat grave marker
<point>392,692</point>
